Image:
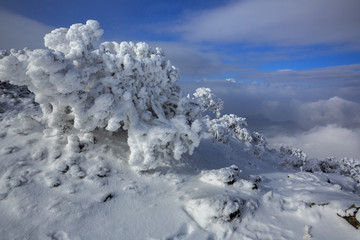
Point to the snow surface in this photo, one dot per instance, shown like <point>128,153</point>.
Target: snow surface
<point>82,185</point>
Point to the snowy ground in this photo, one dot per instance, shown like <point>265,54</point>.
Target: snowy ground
<point>68,188</point>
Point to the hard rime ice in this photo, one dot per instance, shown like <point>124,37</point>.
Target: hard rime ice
<point>115,86</point>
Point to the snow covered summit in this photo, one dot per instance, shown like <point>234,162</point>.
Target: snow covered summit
<point>101,144</point>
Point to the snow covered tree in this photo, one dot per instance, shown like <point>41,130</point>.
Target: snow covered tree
<point>117,86</point>
<point>293,157</point>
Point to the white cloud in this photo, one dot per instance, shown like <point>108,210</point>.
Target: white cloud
<point>232,80</point>
<point>334,110</point>
<point>322,142</point>
<point>192,60</point>
<point>280,22</point>
<point>19,32</point>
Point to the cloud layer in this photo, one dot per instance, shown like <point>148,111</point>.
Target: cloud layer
<point>279,22</point>
<point>335,110</point>
<point>322,142</point>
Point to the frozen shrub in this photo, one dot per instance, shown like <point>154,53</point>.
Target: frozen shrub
<point>350,167</point>
<point>150,147</point>
<point>230,127</point>
<point>349,164</point>
<point>259,143</point>
<point>116,86</point>
<point>210,101</point>
<point>346,166</point>
<point>293,156</point>
<point>329,165</point>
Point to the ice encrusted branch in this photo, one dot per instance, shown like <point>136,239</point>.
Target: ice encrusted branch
<point>116,86</point>
<point>209,101</point>
<point>231,126</point>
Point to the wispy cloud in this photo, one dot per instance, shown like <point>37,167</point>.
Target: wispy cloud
<point>343,75</point>
<point>19,32</point>
<point>279,22</point>
<point>193,60</point>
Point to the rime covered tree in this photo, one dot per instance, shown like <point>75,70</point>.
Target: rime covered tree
<point>117,86</point>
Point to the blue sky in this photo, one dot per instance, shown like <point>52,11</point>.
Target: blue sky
<point>211,39</point>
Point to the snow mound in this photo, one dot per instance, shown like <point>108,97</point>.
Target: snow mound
<point>213,213</point>
<point>292,156</point>
<point>223,176</point>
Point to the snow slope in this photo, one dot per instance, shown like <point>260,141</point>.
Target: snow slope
<point>222,191</point>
